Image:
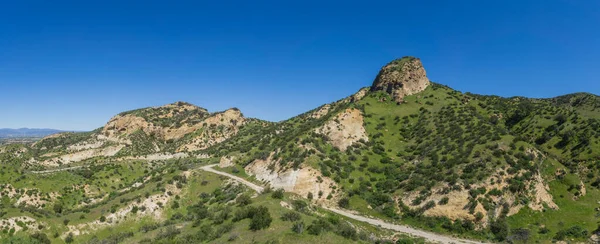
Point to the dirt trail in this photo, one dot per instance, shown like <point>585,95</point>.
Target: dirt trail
<point>401,228</point>
<point>255,187</point>
<point>377,222</point>
<point>54,170</point>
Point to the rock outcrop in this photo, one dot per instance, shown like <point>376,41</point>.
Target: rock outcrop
<point>302,181</point>
<point>345,129</point>
<point>171,121</point>
<point>401,77</point>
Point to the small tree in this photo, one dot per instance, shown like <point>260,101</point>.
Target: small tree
<point>478,216</point>
<point>261,219</point>
<point>298,227</point>
<point>69,238</point>
<point>278,194</point>
<point>344,202</point>
<point>243,200</point>
<point>58,207</point>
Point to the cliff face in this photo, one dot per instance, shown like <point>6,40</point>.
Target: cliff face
<point>401,77</point>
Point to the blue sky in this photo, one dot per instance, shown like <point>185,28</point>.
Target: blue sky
<point>74,64</point>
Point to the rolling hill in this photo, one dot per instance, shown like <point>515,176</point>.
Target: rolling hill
<point>404,150</point>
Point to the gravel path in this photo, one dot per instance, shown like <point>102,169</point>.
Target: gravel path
<point>377,222</point>
<point>255,187</point>
<point>55,170</point>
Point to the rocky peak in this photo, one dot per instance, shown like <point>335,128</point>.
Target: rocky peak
<point>401,77</point>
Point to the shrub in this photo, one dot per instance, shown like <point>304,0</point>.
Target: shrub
<point>318,226</point>
<point>69,238</point>
<point>298,227</point>
<point>277,194</point>
<point>300,205</point>
<point>291,216</point>
<point>243,200</point>
<point>261,219</point>
<point>344,202</point>
<point>500,229</point>
<point>443,201</point>
<point>575,231</point>
<point>41,238</point>
<point>346,231</point>
<point>58,208</point>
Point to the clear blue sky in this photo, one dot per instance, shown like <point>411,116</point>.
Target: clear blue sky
<point>72,65</point>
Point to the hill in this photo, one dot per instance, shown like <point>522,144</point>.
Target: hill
<point>405,150</point>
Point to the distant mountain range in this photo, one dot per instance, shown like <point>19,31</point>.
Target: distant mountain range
<point>26,132</point>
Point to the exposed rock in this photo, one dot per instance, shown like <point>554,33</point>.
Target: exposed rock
<point>82,155</point>
<point>226,161</point>
<point>455,208</point>
<point>356,96</point>
<point>13,223</point>
<point>583,190</point>
<point>345,129</point>
<point>127,124</point>
<point>216,129</point>
<point>401,77</point>
<point>156,156</point>
<point>322,111</point>
<point>542,196</point>
<point>153,207</point>
<point>26,196</point>
<point>171,121</point>
<point>359,95</point>
<point>300,181</point>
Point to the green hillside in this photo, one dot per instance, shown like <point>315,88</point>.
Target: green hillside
<point>405,150</point>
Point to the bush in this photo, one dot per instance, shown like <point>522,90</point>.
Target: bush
<point>575,231</point>
<point>243,200</point>
<point>261,219</point>
<point>58,208</point>
<point>519,235</point>
<point>298,227</point>
<point>291,216</point>
<point>69,238</point>
<point>41,238</point>
<point>277,194</point>
<point>443,201</point>
<point>318,226</point>
<point>500,229</point>
<point>346,231</point>
<point>175,205</point>
<point>344,202</point>
<point>300,205</point>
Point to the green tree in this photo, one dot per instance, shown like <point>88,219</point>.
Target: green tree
<point>344,202</point>
<point>69,238</point>
<point>500,229</point>
<point>58,207</point>
<point>277,194</point>
<point>261,219</point>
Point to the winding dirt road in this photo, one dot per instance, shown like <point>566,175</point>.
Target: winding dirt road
<point>433,237</point>
<point>54,170</point>
<point>254,187</point>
